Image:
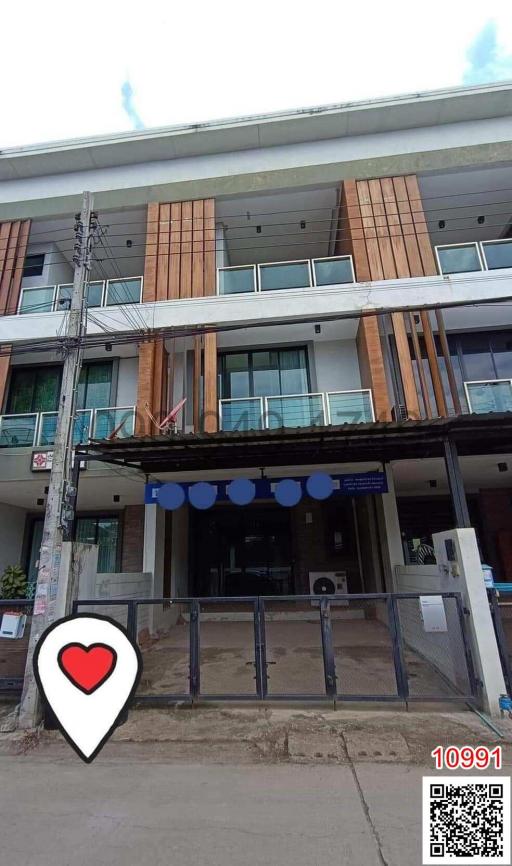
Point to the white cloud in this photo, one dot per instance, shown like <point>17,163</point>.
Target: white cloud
<point>63,72</point>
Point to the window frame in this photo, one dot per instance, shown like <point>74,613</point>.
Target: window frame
<point>104,515</point>
<point>33,256</point>
<point>250,369</point>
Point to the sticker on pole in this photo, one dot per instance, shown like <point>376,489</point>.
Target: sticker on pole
<point>88,670</point>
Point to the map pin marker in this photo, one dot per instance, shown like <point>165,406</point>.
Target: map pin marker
<point>88,670</point>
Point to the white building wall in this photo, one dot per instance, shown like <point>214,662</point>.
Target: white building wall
<point>127,381</point>
<point>12,521</point>
<point>55,269</point>
<point>336,365</point>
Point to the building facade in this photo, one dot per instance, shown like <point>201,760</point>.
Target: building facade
<point>324,291</point>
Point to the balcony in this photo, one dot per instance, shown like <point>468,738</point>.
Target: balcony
<point>489,395</point>
<point>278,276</point>
<point>100,293</point>
<point>474,256</point>
<point>37,429</point>
<point>296,410</point>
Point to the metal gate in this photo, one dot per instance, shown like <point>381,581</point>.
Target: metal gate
<point>371,647</point>
<point>500,603</point>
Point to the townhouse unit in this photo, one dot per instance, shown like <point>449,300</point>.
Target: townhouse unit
<point>299,345</point>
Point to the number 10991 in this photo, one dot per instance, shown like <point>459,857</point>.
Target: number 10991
<point>466,757</point>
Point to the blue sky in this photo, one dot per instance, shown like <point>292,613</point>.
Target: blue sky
<point>130,65</point>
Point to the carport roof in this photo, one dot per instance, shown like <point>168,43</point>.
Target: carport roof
<point>375,441</point>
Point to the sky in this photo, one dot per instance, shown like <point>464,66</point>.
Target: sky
<point>69,70</point>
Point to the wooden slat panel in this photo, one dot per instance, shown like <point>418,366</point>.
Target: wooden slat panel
<point>433,362</point>
<point>419,366</point>
<point>143,426</point>
<point>385,248</point>
<point>196,384</point>
<point>5,361</point>
<point>448,362</point>
<point>394,227</point>
<point>408,230</point>
<point>371,365</point>
<point>175,251</point>
<point>210,383</point>
<point>186,250</point>
<point>158,380</point>
<point>210,270</point>
<point>421,227</point>
<point>8,269</point>
<point>350,231</point>
<point>150,262</point>
<point>370,234</point>
<point>21,252</point>
<point>162,277</point>
<point>406,368</point>
<point>197,249</point>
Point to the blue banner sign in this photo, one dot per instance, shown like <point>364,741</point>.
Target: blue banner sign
<point>354,484</point>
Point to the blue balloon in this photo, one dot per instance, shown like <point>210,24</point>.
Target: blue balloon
<point>241,491</point>
<point>202,495</point>
<point>288,492</point>
<point>319,485</point>
<point>171,496</point>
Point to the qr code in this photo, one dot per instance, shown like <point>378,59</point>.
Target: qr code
<point>466,819</point>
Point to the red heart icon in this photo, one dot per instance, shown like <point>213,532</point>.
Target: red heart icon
<point>87,667</point>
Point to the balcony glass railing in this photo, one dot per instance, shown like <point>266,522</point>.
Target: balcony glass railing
<point>296,410</point>
<point>276,276</point>
<point>475,256</point>
<point>38,429</point>
<point>99,293</point>
<point>489,396</point>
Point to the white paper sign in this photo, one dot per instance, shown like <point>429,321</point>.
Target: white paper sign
<point>433,613</point>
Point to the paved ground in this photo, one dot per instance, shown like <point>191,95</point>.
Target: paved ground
<point>232,786</point>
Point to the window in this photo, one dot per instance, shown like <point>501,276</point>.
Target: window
<point>34,265</point>
<point>94,294</point>
<point>264,373</point>
<point>33,389</point>
<point>123,292</point>
<point>37,300</point>
<point>284,275</point>
<point>103,530</point>
<point>94,386</point>
<point>459,259</point>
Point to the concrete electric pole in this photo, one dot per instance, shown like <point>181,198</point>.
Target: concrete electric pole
<point>54,589</point>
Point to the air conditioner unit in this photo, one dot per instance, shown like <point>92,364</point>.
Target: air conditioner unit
<point>328,583</point>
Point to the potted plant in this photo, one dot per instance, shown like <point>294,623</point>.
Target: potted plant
<point>13,583</point>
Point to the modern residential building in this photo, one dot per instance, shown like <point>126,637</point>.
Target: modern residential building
<point>324,290</point>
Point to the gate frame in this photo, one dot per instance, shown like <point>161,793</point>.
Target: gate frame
<point>261,692</point>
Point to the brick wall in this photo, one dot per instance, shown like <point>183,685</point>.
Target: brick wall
<point>133,538</point>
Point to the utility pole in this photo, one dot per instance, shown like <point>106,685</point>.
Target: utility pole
<point>54,589</point>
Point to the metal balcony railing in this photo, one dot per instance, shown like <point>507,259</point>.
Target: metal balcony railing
<point>37,429</point>
<point>489,395</point>
<point>296,410</point>
<point>99,293</point>
<point>276,276</point>
<point>474,256</point>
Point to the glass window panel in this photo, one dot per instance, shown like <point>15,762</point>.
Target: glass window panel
<point>46,391</point>
<point>502,350</point>
<point>103,531</point>
<point>47,429</point>
<point>294,371</point>
<point>490,397</point>
<point>94,294</point>
<point>236,375</point>
<point>266,378</point>
<point>329,272</point>
<point>123,292</point>
<point>350,407</point>
<point>37,300</point>
<point>21,392</point>
<point>33,560</point>
<point>17,431</point>
<point>94,386</point>
<point>458,260</point>
<point>306,411</point>
<point>34,390</point>
<point>242,415</point>
<point>64,297</point>
<point>498,255</point>
<point>477,357</point>
<point>294,275</point>
<point>236,281</point>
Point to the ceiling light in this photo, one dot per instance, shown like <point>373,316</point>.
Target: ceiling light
<point>303,224</point>
<point>258,230</point>
<point>433,483</point>
<point>108,347</point>
<point>441,224</point>
<point>502,467</point>
<point>480,220</point>
<point>318,329</point>
<point>129,243</point>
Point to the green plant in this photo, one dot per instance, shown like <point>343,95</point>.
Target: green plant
<point>13,583</point>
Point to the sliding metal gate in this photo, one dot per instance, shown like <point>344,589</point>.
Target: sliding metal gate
<point>372,647</point>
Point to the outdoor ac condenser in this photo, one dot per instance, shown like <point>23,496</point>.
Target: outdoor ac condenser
<point>328,583</point>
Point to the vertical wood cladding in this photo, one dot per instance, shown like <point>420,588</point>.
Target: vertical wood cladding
<point>13,248</point>
<point>180,250</point>
<point>5,360</point>
<point>384,223</point>
<point>152,386</point>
